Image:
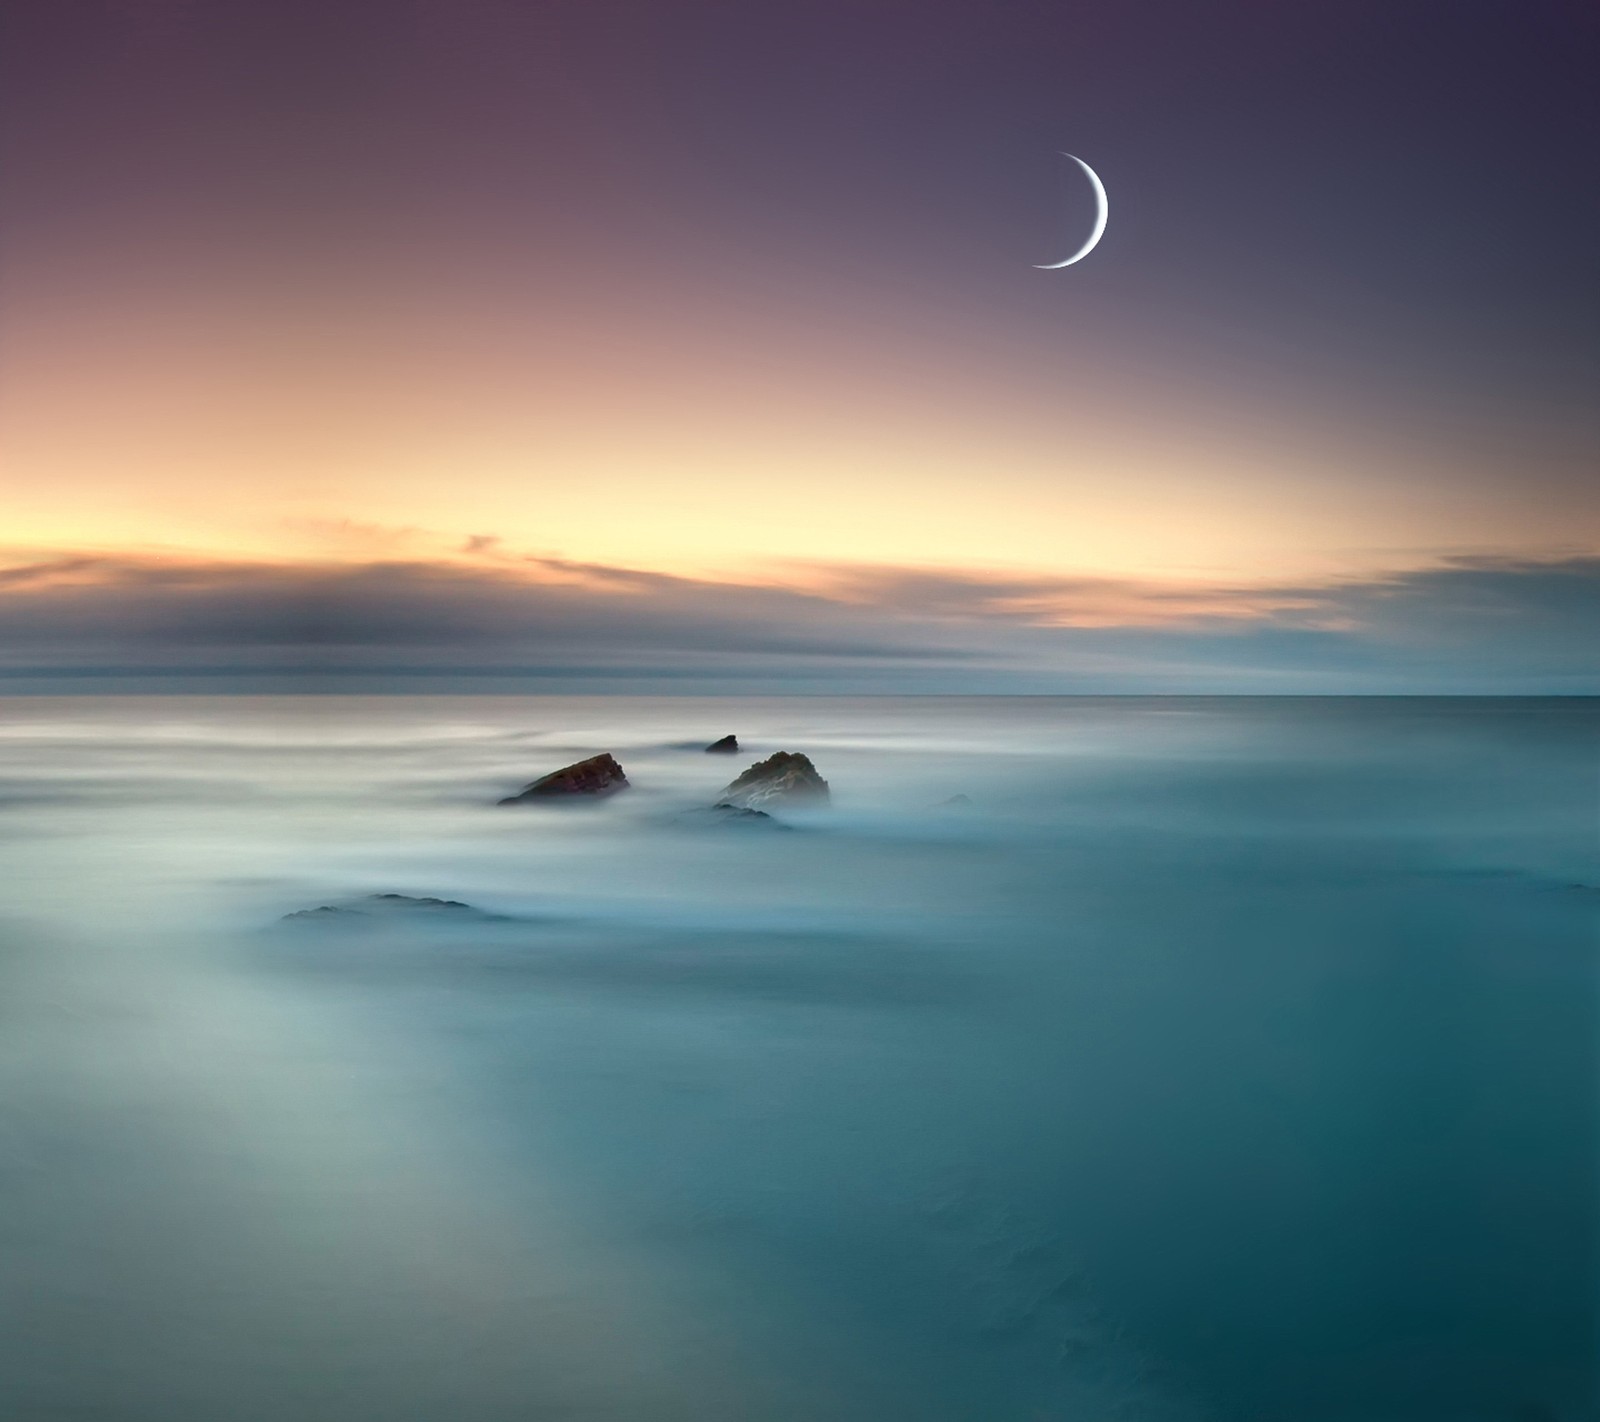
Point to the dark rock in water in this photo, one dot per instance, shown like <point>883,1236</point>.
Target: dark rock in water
<point>785,778</point>
<point>393,908</point>
<point>599,775</point>
<point>715,816</point>
<point>728,745</point>
<point>955,802</point>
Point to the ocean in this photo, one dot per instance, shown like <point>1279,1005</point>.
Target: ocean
<point>1228,1059</point>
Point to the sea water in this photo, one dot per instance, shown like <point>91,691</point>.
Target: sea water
<point>1216,1059</point>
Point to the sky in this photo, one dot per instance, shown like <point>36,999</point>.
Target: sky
<point>470,343</point>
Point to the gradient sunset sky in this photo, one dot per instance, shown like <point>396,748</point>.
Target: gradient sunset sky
<point>602,340</point>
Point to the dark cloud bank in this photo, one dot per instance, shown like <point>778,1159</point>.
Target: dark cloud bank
<point>1472,626</point>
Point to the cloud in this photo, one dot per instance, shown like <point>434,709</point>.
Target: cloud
<point>52,571</point>
<point>1470,625</point>
<point>360,535</point>
<point>1053,601</point>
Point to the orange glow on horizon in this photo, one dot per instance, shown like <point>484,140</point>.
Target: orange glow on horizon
<point>235,421</point>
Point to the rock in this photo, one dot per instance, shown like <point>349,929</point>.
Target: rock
<point>599,775</point>
<point>716,816</point>
<point>392,908</point>
<point>787,777</point>
<point>728,745</point>
<point>955,802</point>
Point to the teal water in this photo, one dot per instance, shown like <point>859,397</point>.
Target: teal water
<point>1223,1059</point>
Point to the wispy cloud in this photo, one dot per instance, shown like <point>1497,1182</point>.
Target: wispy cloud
<point>1472,624</point>
<point>355,537</point>
<point>1052,601</point>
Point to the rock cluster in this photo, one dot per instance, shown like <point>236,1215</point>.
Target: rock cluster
<point>786,778</point>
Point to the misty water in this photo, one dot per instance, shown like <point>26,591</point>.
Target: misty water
<point>1221,1059</point>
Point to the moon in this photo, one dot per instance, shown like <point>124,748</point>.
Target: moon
<point>1100,210</point>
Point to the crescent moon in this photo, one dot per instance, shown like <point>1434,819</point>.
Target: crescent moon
<point>1100,210</point>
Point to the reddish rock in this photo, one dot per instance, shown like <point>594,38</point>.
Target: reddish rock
<point>599,775</point>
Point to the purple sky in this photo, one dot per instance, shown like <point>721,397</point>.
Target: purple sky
<point>741,299</point>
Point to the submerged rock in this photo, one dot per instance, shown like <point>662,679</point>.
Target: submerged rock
<point>716,816</point>
<point>728,745</point>
<point>392,908</point>
<point>785,778</point>
<point>599,775</point>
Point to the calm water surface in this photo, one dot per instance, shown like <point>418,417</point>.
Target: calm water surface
<point>1223,1059</point>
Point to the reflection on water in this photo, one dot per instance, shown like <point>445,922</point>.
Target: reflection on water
<point>1222,1059</point>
